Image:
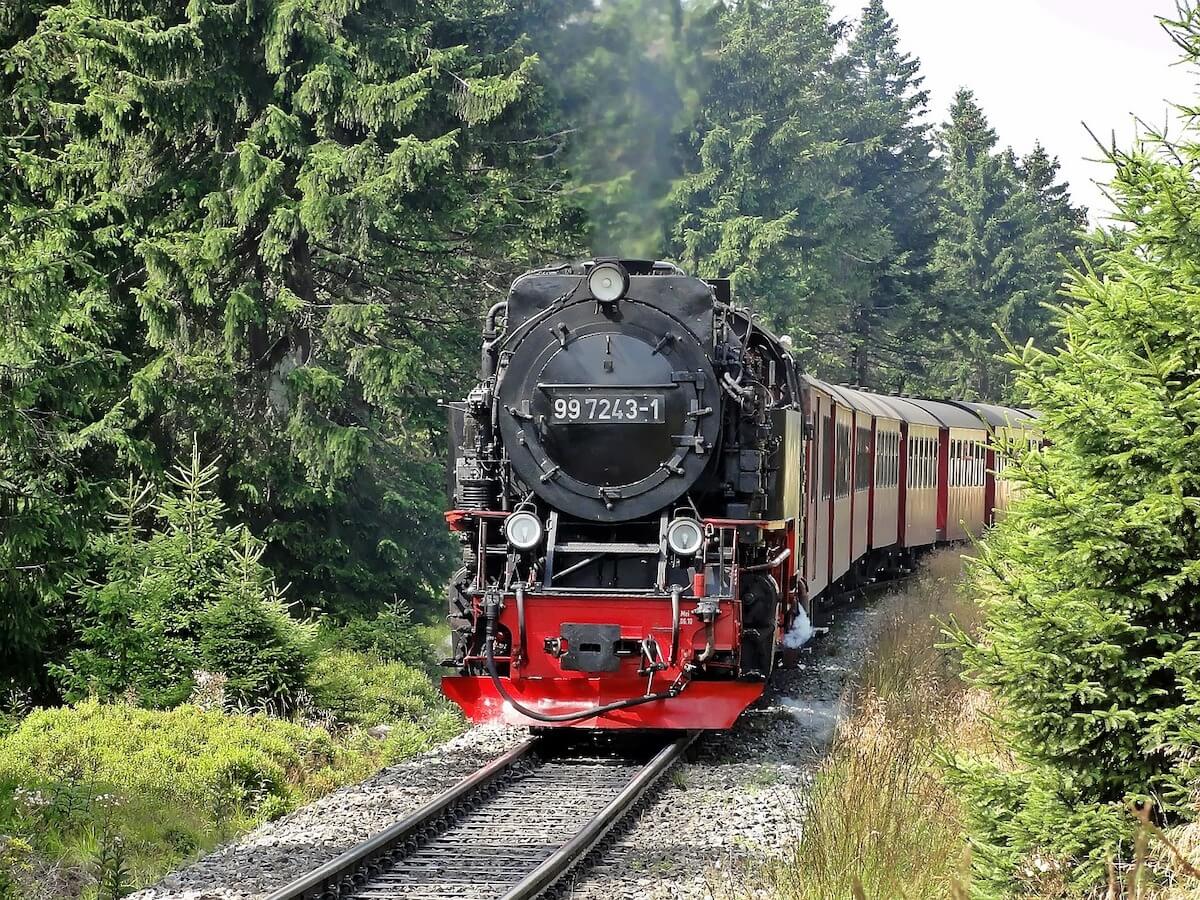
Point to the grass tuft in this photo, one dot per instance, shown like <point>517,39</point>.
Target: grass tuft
<point>880,821</point>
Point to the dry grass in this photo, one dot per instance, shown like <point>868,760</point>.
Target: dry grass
<point>881,821</point>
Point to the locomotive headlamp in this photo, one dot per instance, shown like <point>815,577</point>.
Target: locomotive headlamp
<point>608,282</point>
<point>685,537</point>
<point>523,530</point>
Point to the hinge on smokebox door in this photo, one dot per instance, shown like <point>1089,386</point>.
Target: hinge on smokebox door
<point>609,495</point>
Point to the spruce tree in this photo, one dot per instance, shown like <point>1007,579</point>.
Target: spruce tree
<point>983,219</point>
<point>763,201</point>
<point>66,348</point>
<point>272,225</point>
<point>179,590</point>
<point>1051,241</point>
<point>1092,638</point>
<point>895,171</point>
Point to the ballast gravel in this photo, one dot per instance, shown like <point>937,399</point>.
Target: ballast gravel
<point>278,852</point>
<point>741,793</point>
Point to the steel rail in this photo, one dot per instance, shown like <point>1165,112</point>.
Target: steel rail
<point>564,859</point>
<point>332,877</point>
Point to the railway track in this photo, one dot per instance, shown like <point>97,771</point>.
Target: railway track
<point>510,830</point>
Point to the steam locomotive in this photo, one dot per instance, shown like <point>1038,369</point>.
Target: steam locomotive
<point>650,496</point>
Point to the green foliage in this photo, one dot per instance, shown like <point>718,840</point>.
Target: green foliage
<point>1004,226</point>
<point>270,225</point>
<point>249,637</point>
<point>360,689</point>
<point>1090,585</point>
<point>101,793</point>
<point>64,354</point>
<point>759,203</point>
<point>810,179</point>
<point>812,184</point>
<point>898,178</point>
<point>188,594</point>
<point>391,636</point>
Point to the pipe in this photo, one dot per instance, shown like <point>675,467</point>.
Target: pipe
<point>490,338</point>
<point>487,369</point>
<point>771,563</point>
<point>676,594</point>
<point>576,567</point>
<point>519,592</point>
<point>710,642</point>
<point>736,388</point>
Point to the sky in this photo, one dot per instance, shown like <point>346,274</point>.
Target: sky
<point>1042,68</point>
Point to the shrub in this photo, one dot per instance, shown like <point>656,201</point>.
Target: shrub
<point>207,760</point>
<point>392,635</point>
<point>249,637</point>
<point>359,689</point>
<point>167,784</point>
<point>187,594</point>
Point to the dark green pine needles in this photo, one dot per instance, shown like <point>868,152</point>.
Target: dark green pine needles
<point>271,224</point>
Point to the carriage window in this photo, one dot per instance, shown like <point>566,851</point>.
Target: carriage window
<point>826,458</point>
<point>862,460</point>
<point>842,487</point>
<point>887,459</point>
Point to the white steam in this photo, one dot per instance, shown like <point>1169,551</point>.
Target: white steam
<point>801,631</point>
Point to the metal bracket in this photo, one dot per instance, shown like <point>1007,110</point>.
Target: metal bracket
<point>551,542</point>
<point>519,654</point>
<point>694,441</point>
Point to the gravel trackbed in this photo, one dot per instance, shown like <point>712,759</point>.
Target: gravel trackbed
<point>741,792</point>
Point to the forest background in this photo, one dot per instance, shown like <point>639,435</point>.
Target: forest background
<point>245,249</point>
<point>268,231</point>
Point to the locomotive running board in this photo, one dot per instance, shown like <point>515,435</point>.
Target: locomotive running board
<point>705,705</point>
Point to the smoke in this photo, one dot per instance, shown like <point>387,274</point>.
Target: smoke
<point>801,631</point>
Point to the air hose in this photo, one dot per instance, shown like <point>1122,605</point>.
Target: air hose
<point>489,650</point>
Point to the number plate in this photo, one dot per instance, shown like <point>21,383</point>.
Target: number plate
<point>615,409</point>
